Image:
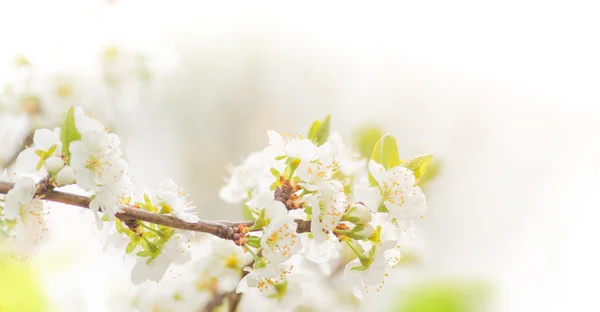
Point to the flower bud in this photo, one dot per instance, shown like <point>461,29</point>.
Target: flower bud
<point>358,214</point>
<point>362,231</point>
<point>65,176</point>
<point>53,164</point>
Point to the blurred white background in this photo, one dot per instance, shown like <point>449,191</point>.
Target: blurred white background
<point>504,93</point>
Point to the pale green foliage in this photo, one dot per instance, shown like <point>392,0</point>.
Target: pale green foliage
<point>69,132</point>
<point>385,152</point>
<point>418,165</point>
<point>431,173</point>
<point>448,296</point>
<point>19,290</point>
<point>365,139</point>
<point>319,131</point>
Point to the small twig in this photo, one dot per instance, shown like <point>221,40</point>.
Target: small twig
<point>215,302</point>
<point>222,229</point>
<point>27,141</point>
<point>233,297</point>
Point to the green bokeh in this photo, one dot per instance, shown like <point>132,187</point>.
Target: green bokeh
<point>19,290</point>
<point>445,296</point>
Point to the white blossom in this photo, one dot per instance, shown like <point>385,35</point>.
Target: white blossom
<point>96,159</point>
<point>280,240</point>
<point>221,264</point>
<point>171,253</point>
<point>318,170</point>
<point>170,193</point>
<point>22,207</point>
<point>371,278</point>
<point>43,141</point>
<point>348,161</point>
<point>327,208</point>
<point>292,146</point>
<point>397,190</point>
<point>253,176</point>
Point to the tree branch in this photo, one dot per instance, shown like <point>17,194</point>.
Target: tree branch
<point>222,229</point>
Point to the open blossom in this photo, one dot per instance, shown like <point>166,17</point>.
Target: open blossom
<point>397,190</point>
<point>20,199</point>
<point>22,207</point>
<point>265,279</point>
<point>370,278</point>
<point>173,252</point>
<point>44,140</point>
<point>280,240</point>
<point>96,159</point>
<point>220,267</point>
<point>327,208</point>
<point>318,170</point>
<point>170,193</point>
<point>295,147</point>
<point>253,176</point>
<point>319,252</point>
<point>348,161</point>
<point>107,199</point>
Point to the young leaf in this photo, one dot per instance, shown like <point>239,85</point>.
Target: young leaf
<point>418,164</point>
<point>366,138</point>
<point>382,208</point>
<point>319,131</point>
<point>312,132</point>
<point>385,153</point>
<point>432,172</point>
<point>68,132</point>
<point>130,247</point>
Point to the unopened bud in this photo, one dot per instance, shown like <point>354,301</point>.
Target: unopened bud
<point>358,213</point>
<point>65,176</point>
<point>53,164</point>
<point>363,231</point>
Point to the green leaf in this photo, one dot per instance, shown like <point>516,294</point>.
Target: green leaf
<point>40,164</point>
<point>319,131</point>
<point>418,164</point>
<point>253,241</point>
<point>247,213</point>
<point>52,150</point>
<point>68,132</point>
<point>365,139</point>
<point>382,208</point>
<point>359,268</point>
<point>143,253</point>
<point>434,169</point>
<point>385,152</point>
<point>130,247</point>
<point>150,234</point>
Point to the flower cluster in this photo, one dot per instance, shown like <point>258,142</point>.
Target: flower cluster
<point>82,153</point>
<point>319,179</point>
<point>312,201</point>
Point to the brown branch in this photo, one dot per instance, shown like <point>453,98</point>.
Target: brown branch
<point>27,141</point>
<point>233,297</point>
<point>215,302</point>
<point>222,229</point>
